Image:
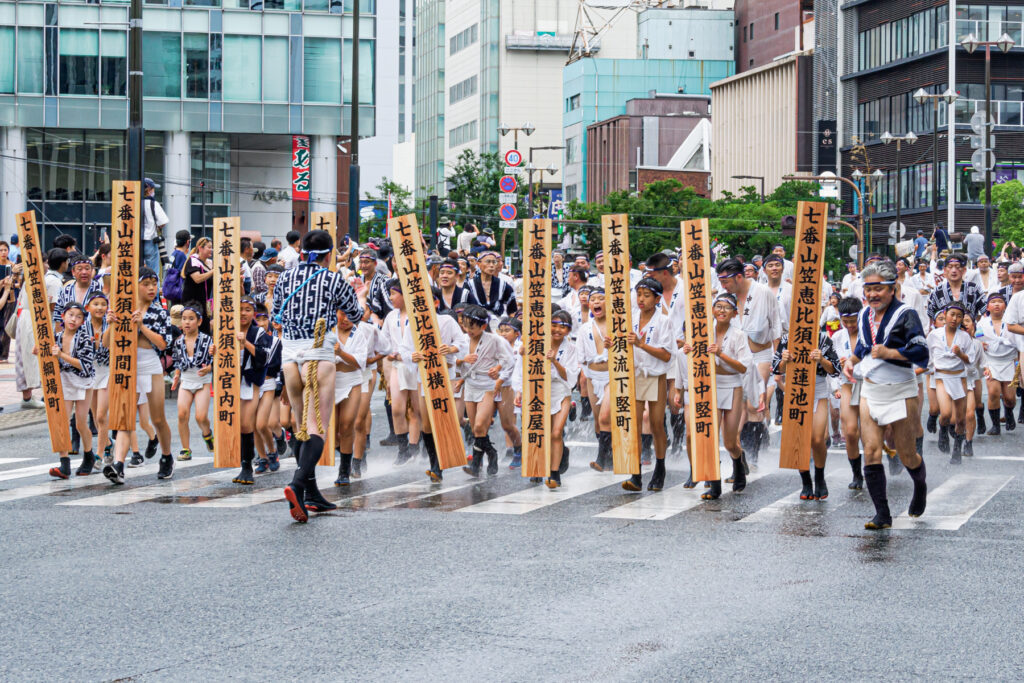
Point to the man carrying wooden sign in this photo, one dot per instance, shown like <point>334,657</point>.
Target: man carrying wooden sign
<point>807,358</point>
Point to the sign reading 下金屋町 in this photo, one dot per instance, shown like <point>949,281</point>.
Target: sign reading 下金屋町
<point>42,329</point>
<point>227,372</point>
<point>702,403</point>
<point>124,336</point>
<point>300,168</point>
<point>436,388</point>
<point>536,342</point>
<point>624,416</point>
<point>801,370</point>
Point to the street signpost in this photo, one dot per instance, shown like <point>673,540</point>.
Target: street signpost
<point>508,212</point>
<point>513,157</point>
<point>508,183</point>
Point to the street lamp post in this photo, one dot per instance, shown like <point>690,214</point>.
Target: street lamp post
<point>859,234</point>
<point>550,169</point>
<point>948,97</point>
<point>1005,44</point>
<point>527,129</point>
<point>752,177</point>
<point>910,139</point>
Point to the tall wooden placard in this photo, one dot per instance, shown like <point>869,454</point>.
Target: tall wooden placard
<point>536,366</point>
<point>124,337</point>
<point>625,417</point>
<point>702,405</point>
<point>227,370</point>
<point>426,336</point>
<point>328,220</point>
<point>798,407</point>
<point>42,327</point>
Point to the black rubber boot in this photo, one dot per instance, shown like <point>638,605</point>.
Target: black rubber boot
<point>391,439</point>
<point>405,450</point>
<point>634,483</point>
<point>1020,415</point>
<point>994,430</point>
<point>246,476</point>
<point>755,441</point>
<point>678,423</point>
<point>646,448</point>
<point>920,497</point>
<point>492,458</point>
<point>604,442</point>
<point>958,449</point>
<point>88,462</point>
<point>690,483</point>
<point>344,469</point>
<point>874,477</point>
<point>979,416</point>
<point>435,473</point>
<point>657,481</point>
<point>282,445</point>
<point>585,410</point>
<point>820,489</point>
<point>858,475</point>
<point>64,470</point>
<point>739,474</point>
<point>968,448</point>
<point>933,420</point>
<point>943,444</point>
<point>807,492</point>
<point>554,480</point>
<point>780,398</point>
<point>1010,424</point>
<point>563,465</point>
<point>714,491</point>
<point>473,469</point>
<point>315,500</point>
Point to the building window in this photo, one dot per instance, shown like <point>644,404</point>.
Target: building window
<point>572,103</point>
<point>242,72</point>
<point>463,39</point>
<point>744,34</point>
<point>463,134</point>
<point>275,69</point>
<point>79,52</point>
<point>776,21</point>
<point>367,56</point>
<point>113,63</point>
<point>571,193</point>
<point>322,77</point>
<point>918,34</point>
<point>572,150</point>
<point>161,62</point>
<point>462,90</point>
<point>7,61</point>
<point>751,30</point>
<point>197,65</point>
<point>30,60</point>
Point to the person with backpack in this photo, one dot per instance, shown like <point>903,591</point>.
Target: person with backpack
<point>173,288</point>
<point>154,252</point>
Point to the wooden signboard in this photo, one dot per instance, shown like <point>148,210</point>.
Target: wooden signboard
<point>702,406</point>
<point>536,366</point>
<point>328,220</point>
<point>798,407</point>
<point>625,417</point>
<point>426,336</point>
<point>227,365</point>
<point>125,222</point>
<point>57,418</point>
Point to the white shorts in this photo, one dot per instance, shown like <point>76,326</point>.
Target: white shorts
<point>1001,370</point>
<point>75,387</point>
<point>559,392</point>
<point>269,384</point>
<point>368,377</point>
<point>192,382</point>
<point>724,385</point>
<point>143,385</point>
<point>763,356</point>
<point>647,387</point>
<point>344,382</point>
<point>405,375</point>
<point>474,392</point>
<point>245,391</point>
<point>821,389</point>
<point>953,384</point>
<point>598,383</point>
<point>753,386</point>
<point>854,392</point>
<point>301,350</point>
<point>102,376</point>
<point>148,363</point>
<point>887,403</point>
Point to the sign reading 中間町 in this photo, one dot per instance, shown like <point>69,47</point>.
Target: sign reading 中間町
<point>124,336</point>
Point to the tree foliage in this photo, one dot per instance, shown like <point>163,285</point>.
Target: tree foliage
<point>741,222</point>
<point>1008,198</point>
<point>401,204</point>
<point>473,187</point>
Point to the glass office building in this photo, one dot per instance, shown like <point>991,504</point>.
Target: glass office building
<point>226,85</point>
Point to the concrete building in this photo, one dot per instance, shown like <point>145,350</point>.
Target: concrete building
<point>225,90</point>
<point>759,122</point>
<point>626,150</point>
<point>598,89</point>
<point>768,29</point>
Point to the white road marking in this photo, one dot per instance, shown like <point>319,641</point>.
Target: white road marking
<point>955,502</point>
<point>140,494</point>
<point>668,503</point>
<point>407,493</point>
<point>59,485</point>
<point>1008,458</point>
<point>30,471</point>
<point>11,461</point>
<point>243,500</point>
<point>540,496</point>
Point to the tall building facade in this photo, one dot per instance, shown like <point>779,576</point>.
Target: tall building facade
<point>768,29</point>
<point>226,86</point>
<point>888,50</point>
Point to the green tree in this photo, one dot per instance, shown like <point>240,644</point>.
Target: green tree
<point>1008,198</point>
<point>473,189</point>
<point>402,204</point>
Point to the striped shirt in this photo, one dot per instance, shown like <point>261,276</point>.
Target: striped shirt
<point>322,296</point>
<point>82,349</point>
<point>101,354</point>
<point>202,355</point>
<point>971,296</point>
<point>499,298</point>
<point>69,295</point>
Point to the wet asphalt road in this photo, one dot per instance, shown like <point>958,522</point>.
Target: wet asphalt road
<point>192,581</point>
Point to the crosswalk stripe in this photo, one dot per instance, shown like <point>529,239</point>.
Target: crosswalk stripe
<point>540,496</point>
<point>140,494</point>
<point>403,494</point>
<point>668,503</point>
<point>22,472</point>
<point>60,485</point>
<point>243,500</point>
<point>11,461</point>
<point>1007,458</point>
<point>955,502</point>
<point>790,504</point>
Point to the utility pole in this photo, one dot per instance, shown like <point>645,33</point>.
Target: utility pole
<point>353,169</point>
<point>136,135</point>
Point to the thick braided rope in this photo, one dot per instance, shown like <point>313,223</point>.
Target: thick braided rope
<point>312,390</point>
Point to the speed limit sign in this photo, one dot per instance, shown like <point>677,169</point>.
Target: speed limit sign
<point>513,157</point>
